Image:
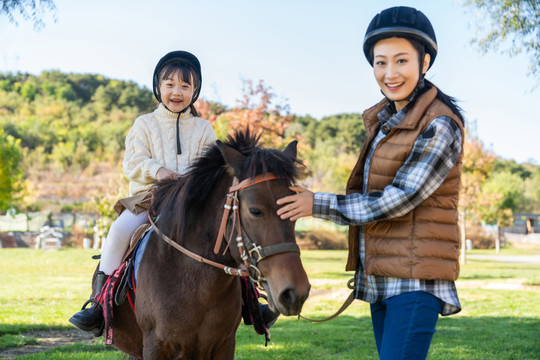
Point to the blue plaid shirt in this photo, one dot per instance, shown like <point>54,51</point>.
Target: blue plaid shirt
<point>433,155</point>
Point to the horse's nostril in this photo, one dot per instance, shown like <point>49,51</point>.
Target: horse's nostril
<point>288,297</point>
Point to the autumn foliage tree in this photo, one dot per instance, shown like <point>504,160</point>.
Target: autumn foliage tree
<point>485,195</point>
<point>477,165</point>
<point>256,110</point>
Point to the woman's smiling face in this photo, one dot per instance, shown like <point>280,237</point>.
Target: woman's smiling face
<point>396,69</point>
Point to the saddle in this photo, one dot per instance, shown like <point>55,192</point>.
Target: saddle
<point>127,283</point>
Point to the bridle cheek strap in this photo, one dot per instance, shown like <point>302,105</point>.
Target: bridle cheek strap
<point>228,207</point>
<point>232,204</point>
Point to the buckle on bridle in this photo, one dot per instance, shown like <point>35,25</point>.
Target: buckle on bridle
<point>256,249</point>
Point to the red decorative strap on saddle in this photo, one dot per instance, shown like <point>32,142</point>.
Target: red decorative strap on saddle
<point>106,299</point>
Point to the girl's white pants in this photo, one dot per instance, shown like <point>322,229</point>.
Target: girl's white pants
<point>118,238</point>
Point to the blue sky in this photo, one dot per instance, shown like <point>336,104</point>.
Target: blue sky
<point>308,51</point>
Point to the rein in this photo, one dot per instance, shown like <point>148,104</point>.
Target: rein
<point>256,252</point>
<point>191,254</point>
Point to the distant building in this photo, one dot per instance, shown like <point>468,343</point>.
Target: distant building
<point>525,224</point>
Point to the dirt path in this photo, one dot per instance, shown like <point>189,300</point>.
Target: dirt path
<point>47,339</point>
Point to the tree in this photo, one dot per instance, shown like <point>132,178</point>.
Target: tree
<point>504,192</point>
<point>10,169</point>
<point>256,110</point>
<point>514,24</point>
<point>532,193</point>
<point>33,10</point>
<point>477,165</point>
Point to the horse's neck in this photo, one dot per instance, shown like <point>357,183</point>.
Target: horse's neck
<point>200,237</point>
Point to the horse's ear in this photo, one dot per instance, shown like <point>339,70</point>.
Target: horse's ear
<point>233,158</point>
<point>291,149</point>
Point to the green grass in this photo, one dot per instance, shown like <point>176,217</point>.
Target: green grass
<point>41,290</point>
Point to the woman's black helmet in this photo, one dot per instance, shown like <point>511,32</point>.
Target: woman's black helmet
<point>175,56</point>
<point>400,21</point>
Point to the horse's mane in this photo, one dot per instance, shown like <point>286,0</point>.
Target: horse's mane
<point>182,200</point>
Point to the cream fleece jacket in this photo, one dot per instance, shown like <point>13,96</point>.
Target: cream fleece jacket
<point>151,145</point>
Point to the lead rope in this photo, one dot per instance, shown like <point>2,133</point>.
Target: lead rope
<point>348,301</point>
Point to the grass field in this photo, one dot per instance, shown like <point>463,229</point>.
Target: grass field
<point>500,318</point>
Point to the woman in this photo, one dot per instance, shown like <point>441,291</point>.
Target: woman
<point>402,195</point>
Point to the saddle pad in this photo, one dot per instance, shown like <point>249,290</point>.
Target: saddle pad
<point>139,253</point>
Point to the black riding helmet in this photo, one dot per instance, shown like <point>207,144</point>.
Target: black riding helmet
<point>175,56</point>
<point>400,21</point>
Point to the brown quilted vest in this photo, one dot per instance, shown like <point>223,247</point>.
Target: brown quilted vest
<point>423,244</point>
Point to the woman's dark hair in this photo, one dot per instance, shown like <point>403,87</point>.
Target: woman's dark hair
<point>186,71</point>
<point>449,101</point>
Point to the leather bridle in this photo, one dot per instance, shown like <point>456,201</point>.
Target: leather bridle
<point>250,252</point>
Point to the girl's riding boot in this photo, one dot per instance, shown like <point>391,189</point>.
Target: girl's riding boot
<point>91,319</point>
<point>268,315</point>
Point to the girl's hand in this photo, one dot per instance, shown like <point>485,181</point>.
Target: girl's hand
<point>163,174</point>
<point>297,206</point>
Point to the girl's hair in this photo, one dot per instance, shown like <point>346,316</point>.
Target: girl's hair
<point>186,72</point>
<point>449,101</point>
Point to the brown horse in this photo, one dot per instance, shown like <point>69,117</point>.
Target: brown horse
<point>187,309</point>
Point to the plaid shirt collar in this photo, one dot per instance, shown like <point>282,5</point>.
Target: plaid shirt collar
<point>389,119</point>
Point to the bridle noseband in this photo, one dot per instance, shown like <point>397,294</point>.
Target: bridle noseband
<point>250,252</point>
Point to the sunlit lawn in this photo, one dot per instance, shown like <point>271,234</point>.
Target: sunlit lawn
<point>500,317</point>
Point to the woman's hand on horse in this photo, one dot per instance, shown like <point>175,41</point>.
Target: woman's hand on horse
<point>296,206</point>
<point>163,174</point>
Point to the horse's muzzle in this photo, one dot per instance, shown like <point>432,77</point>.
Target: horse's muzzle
<point>291,301</point>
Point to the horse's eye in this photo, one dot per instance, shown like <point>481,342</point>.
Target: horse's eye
<point>256,212</point>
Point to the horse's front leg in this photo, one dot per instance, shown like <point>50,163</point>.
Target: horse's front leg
<point>226,350</point>
<point>154,349</point>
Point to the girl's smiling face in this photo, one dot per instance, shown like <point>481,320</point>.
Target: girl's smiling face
<point>176,94</point>
<point>396,68</point>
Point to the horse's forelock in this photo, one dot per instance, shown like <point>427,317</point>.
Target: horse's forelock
<point>244,141</point>
<point>262,161</point>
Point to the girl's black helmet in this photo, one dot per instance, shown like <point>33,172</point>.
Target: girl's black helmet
<point>175,56</point>
<point>400,21</point>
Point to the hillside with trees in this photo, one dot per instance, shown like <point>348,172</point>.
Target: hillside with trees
<point>62,140</point>
<point>69,130</point>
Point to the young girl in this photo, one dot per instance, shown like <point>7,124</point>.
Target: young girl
<point>160,145</point>
<point>402,195</point>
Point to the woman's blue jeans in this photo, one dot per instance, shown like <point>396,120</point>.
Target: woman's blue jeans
<point>404,325</point>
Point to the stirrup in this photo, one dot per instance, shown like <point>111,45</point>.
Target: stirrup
<point>93,301</point>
